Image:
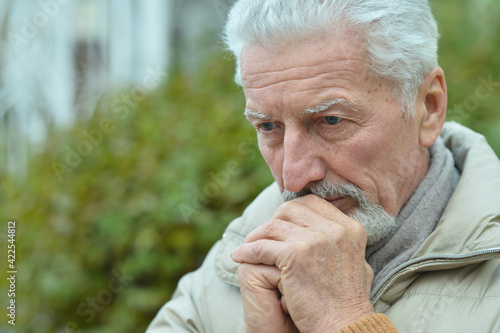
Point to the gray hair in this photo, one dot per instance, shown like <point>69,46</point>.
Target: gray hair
<point>400,36</point>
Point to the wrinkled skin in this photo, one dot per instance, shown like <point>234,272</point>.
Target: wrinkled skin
<point>279,254</point>
<point>311,251</point>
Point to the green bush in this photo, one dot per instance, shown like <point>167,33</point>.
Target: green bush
<point>469,50</point>
<point>157,188</point>
<point>161,181</point>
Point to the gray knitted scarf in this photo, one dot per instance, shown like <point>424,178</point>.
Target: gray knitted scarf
<point>419,216</point>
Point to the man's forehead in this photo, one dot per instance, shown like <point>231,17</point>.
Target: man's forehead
<point>262,67</point>
<point>330,46</point>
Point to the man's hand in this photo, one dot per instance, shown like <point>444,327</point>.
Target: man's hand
<point>263,308</point>
<point>319,251</point>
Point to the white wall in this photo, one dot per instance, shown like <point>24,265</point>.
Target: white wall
<point>58,56</point>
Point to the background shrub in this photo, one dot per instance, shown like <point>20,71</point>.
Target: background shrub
<point>148,201</point>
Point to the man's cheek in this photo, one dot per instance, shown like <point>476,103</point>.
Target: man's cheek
<point>275,163</point>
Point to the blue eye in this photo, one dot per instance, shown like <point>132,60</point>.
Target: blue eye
<point>331,120</point>
<point>266,127</point>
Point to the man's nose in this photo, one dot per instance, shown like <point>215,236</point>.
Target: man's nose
<point>302,161</point>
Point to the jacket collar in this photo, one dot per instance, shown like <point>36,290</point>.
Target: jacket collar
<point>471,219</point>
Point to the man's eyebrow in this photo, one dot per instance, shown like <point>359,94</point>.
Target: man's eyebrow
<point>328,104</point>
<point>250,113</point>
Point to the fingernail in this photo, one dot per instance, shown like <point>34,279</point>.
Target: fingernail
<point>234,255</point>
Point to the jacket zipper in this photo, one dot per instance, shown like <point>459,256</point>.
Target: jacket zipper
<point>401,269</point>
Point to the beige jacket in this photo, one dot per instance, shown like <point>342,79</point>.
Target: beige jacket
<point>452,283</point>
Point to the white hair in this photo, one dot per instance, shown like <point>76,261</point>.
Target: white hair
<point>400,36</point>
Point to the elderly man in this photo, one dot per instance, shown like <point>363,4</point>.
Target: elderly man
<point>382,217</point>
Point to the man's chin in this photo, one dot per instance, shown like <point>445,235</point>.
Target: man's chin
<point>377,222</point>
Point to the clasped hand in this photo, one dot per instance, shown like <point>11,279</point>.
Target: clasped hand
<point>304,270</point>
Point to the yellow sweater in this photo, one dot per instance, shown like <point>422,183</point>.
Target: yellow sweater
<point>371,324</point>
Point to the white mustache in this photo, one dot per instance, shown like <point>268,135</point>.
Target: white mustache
<point>327,190</point>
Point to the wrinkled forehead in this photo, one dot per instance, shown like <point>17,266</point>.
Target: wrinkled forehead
<point>305,75</point>
<point>339,52</point>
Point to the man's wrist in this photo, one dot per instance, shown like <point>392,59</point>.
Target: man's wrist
<point>345,317</point>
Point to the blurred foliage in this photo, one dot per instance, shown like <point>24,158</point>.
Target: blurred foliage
<point>149,199</point>
<point>162,180</point>
<point>469,54</point>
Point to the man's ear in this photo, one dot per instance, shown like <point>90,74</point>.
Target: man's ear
<point>432,102</point>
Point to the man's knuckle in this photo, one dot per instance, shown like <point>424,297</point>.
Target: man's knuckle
<point>357,228</point>
<point>300,247</point>
<point>319,238</point>
<point>258,247</point>
<point>359,231</point>
<point>290,206</point>
<point>341,232</point>
<point>272,227</point>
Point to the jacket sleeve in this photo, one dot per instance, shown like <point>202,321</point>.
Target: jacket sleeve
<point>180,314</point>
<point>198,306</point>
<point>183,313</point>
<point>376,323</point>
